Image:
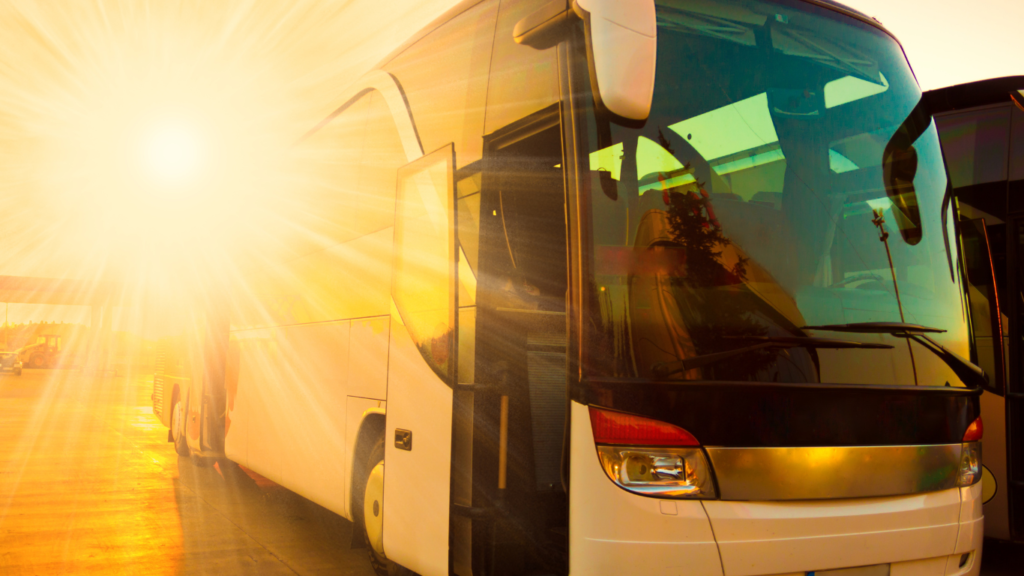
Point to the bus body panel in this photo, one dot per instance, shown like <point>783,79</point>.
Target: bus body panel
<point>776,537</point>
<point>368,358</point>
<point>252,418</point>
<point>416,480</point>
<point>312,411</point>
<point>997,509</point>
<point>289,409</point>
<point>614,532</point>
<point>972,531</point>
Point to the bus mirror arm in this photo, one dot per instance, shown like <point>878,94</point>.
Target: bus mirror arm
<point>545,27</point>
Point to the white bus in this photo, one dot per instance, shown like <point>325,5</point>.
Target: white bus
<point>609,287</point>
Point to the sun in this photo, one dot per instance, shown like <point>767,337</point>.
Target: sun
<point>173,153</point>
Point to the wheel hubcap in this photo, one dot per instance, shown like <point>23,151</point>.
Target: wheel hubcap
<point>373,516</point>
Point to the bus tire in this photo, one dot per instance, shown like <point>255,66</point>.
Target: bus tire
<point>372,524</point>
<point>178,426</point>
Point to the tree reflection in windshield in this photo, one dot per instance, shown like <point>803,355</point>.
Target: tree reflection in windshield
<point>688,294</point>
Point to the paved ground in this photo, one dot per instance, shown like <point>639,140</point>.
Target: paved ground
<point>1002,559</point>
<point>89,485</point>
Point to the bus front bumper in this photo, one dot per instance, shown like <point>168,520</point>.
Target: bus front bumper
<point>616,532</point>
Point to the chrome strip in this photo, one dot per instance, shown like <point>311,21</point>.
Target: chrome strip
<point>833,472</point>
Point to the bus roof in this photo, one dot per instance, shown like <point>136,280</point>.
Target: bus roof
<point>974,94</point>
<point>464,5</point>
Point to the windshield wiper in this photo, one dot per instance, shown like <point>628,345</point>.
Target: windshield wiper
<point>970,373</point>
<point>666,369</point>
<point>876,328</point>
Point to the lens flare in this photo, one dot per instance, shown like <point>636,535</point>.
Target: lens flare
<point>173,153</point>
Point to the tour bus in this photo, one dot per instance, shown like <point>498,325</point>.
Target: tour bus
<point>981,127</point>
<point>610,287</point>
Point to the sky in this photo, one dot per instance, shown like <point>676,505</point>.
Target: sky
<point>76,77</point>
<point>951,42</point>
<point>131,131</point>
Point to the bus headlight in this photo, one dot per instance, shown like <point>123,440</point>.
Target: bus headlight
<point>970,464</point>
<point>661,472</point>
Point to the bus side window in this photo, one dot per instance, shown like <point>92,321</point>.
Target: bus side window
<point>975,145</point>
<point>345,208</point>
<point>444,79</point>
<point>523,80</point>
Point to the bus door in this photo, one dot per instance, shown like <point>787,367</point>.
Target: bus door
<point>421,367</point>
<point>511,510</point>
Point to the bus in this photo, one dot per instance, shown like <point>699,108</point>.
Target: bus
<point>609,287</point>
<point>981,126</point>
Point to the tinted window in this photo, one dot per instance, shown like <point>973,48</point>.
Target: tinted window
<point>975,144</point>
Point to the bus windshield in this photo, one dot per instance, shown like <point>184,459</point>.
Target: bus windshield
<point>784,143</point>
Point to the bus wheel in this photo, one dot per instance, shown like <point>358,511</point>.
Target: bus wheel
<point>373,509</point>
<point>373,515</point>
<point>178,428</point>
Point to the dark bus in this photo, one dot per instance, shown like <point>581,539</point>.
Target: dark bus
<point>981,126</point>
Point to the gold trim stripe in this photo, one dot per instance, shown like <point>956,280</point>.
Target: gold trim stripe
<point>833,472</point>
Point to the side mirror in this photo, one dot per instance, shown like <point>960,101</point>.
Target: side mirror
<point>622,47</point>
<point>899,168</point>
<point>983,303</point>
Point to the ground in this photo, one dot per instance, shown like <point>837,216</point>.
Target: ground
<point>90,485</point>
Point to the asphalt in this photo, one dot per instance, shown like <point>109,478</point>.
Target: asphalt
<point>90,485</point>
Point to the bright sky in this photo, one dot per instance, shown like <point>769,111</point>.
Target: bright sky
<point>133,132</point>
<point>954,41</point>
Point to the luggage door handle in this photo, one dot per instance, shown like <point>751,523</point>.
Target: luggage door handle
<point>403,439</point>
